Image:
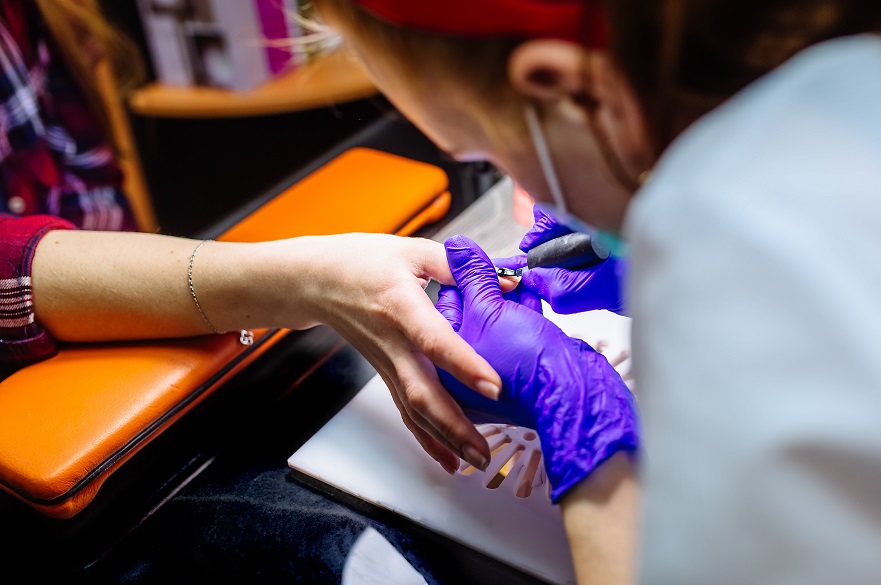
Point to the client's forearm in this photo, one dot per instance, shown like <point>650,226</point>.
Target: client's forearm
<point>97,286</point>
<point>601,519</point>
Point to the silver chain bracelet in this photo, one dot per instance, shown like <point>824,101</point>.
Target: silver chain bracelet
<point>245,337</point>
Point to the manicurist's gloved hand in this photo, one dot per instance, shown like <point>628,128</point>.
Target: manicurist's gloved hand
<point>571,291</point>
<point>559,386</point>
<point>519,294</point>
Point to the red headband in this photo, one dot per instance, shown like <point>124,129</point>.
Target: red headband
<point>573,20</point>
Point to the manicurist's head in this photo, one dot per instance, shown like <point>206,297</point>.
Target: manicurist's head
<point>469,73</point>
<point>575,99</point>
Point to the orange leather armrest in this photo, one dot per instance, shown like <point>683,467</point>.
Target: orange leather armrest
<point>68,423</point>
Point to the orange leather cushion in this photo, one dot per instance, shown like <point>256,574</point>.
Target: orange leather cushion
<point>362,190</point>
<point>66,424</point>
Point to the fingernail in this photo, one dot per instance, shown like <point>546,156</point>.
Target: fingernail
<point>515,280</point>
<point>488,389</point>
<point>450,467</point>
<point>474,457</point>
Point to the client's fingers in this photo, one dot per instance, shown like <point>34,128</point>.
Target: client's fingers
<point>431,407</point>
<point>434,448</point>
<point>432,335</point>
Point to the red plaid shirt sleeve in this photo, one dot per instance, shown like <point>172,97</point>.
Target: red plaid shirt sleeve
<point>22,340</point>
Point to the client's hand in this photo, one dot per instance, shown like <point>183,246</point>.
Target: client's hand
<point>570,291</point>
<point>370,289</point>
<point>557,385</point>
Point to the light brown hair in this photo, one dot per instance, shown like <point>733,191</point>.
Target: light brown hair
<point>480,63</point>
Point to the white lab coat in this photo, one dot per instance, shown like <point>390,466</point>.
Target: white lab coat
<point>755,293</point>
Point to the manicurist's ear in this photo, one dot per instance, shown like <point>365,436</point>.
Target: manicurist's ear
<point>554,73</point>
<point>547,70</point>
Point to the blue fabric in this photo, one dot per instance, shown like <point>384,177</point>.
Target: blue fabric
<point>256,526</point>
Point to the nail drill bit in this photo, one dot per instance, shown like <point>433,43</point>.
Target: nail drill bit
<point>573,251</point>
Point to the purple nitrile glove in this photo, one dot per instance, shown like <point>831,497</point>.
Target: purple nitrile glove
<point>559,386</point>
<point>572,291</point>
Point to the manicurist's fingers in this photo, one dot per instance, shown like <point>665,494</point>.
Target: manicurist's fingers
<point>473,271</point>
<point>509,283</point>
<point>543,230</point>
<point>512,262</point>
<point>530,300</point>
<point>449,304</point>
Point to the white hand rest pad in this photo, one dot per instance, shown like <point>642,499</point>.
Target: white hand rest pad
<point>366,451</point>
